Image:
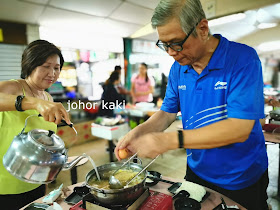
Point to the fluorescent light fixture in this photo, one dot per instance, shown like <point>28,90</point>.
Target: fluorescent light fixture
<point>226,19</point>
<point>269,46</point>
<point>147,29</point>
<point>266,25</point>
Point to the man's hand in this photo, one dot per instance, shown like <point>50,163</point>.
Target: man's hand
<point>152,144</point>
<point>149,130</point>
<point>124,142</point>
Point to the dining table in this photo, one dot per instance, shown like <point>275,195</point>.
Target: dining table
<point>212,200</point>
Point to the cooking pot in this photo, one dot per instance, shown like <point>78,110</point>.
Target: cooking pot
<point>37,156</point>
<point>111,197</point>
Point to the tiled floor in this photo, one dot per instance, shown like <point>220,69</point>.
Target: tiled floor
<point>172,164</point>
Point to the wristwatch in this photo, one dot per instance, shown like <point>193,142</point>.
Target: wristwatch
<point>181,139</point>
<point>18,103</point>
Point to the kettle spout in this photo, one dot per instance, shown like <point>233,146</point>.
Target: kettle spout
<point>70,165</point>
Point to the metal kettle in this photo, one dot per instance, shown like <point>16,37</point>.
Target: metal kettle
<point>37,156</point>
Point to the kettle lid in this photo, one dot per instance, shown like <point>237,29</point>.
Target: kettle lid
<point>46,138</point>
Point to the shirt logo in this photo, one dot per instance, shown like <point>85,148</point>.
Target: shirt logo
<point>220,85</point>
<point>182,87</point>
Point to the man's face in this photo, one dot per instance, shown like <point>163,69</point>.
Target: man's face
<point>173,33</point>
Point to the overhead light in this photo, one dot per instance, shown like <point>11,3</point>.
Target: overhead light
<point>266,25</point>
<point>147,29</point>
<point>269,46</point>
<point>226,19</point>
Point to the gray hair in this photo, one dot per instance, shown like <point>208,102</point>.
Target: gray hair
<point>188,12</point>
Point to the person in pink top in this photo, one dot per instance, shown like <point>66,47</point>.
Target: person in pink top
<point>142,86</point>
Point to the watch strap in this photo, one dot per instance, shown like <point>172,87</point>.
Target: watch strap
<point>181,139</point>
<point>18,103</point>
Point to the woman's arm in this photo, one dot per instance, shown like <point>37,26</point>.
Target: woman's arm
<point>51,111</point>
<point>272,102</point>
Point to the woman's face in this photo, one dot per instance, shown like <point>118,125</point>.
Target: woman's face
<point>45,75</point>
<point>142,70</point>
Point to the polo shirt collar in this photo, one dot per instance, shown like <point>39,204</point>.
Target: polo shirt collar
<point>218,58</point>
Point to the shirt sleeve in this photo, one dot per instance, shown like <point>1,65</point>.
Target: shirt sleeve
<point>171,102</point>
<point>245,95</point>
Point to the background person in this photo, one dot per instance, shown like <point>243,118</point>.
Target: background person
<point>110,95</point>
<point>121,89</point>
<point>211,83</point>
<point>142,86</point>
<point>41,65</point>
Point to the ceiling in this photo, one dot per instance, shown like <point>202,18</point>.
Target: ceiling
<point>123,18</point>
<point>115,17</point>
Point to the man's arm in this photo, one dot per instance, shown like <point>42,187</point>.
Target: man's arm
<point>158,122</point>
<point>218,134</point>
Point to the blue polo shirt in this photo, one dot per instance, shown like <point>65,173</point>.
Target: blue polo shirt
<point>231,86</point>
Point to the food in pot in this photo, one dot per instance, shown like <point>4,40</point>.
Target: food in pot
<point>123,154</point>
<point>123,175</point>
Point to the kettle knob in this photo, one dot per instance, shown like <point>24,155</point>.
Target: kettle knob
<point>50,133</point>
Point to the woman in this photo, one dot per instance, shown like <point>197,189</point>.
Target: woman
<point>111,96</point>
<point>41,65</point>
<point>142,85</point>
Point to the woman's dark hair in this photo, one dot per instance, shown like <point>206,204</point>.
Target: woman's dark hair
<point>36,54</point>
<point>118,68</point>
<point>113,77</point>
<point>146,66</point>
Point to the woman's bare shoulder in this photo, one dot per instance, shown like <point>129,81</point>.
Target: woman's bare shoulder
<point>10,87</point>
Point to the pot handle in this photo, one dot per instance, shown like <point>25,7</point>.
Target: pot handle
<point>99,191</point>
<point>138,160</point>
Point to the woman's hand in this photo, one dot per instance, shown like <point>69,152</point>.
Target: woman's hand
<point>273,102</point>
<point>52,111</point>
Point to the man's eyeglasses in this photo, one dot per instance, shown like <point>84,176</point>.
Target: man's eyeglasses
<point>178,46</point>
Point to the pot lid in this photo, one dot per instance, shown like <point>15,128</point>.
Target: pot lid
<point>46,139</point>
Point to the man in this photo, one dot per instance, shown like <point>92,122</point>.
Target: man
<point>217,85</point>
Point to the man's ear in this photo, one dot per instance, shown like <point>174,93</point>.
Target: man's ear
<point>203,29</point>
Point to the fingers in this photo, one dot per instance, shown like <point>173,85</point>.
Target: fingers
<point>122,144</point>
<point>65,115</point>
<point>116,151</point>
<point>58,118</point>
<point>51,118</point>
<point>53,112</point>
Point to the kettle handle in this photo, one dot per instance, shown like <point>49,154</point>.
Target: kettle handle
<point>39,115</point>
<point>25,124</point>
<point>64,123</point>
